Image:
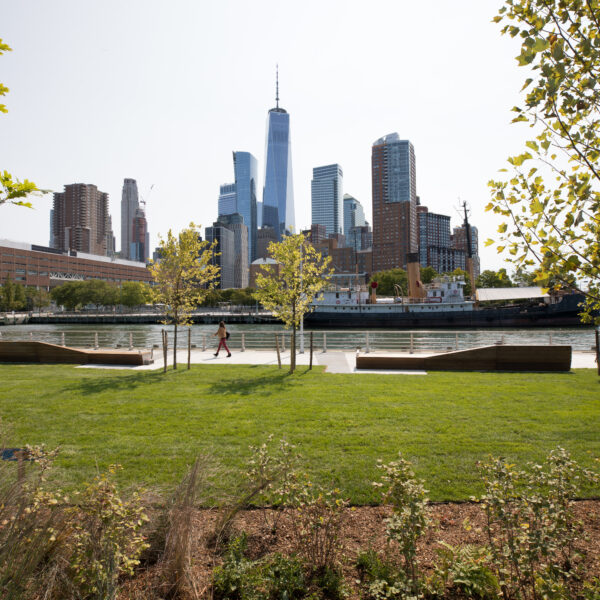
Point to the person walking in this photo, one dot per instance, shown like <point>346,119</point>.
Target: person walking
<point>222,334</point>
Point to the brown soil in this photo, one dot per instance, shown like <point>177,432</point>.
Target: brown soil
<point>363,528</point>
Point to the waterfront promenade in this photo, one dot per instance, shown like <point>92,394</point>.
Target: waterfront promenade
<point>333,361</point>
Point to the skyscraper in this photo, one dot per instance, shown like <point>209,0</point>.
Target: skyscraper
<point>227,199</point>
<point>327,204</point>
<point>139,248</point>
<point>245,167</point>
<point>278,192</point>
<point>354,217</point>
<point>224,255</point>
<point>236,223</point>
<point>129,204</point>
<point>135,239</point>
<point>240,197</point>
<point>80,220</point>
<point>393,175</point>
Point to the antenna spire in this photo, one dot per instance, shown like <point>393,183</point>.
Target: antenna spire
<point>277,85</point>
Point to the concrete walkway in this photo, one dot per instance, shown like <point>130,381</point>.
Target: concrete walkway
<point>334,361</point>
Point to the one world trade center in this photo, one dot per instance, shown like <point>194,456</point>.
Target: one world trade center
<point>278,191</point>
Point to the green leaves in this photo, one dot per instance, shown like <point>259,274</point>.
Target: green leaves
<point>12,191</point>
<point>551,215</point>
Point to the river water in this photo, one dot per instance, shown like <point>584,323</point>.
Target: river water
<point>263,336</point>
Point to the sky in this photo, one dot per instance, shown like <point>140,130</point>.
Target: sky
<point>163,92</point>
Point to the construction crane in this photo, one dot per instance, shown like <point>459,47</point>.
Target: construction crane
<point>142,199</point>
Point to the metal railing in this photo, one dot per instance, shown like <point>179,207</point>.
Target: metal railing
<point>323,341</point>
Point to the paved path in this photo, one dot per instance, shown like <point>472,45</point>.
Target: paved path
<point>334,361</point>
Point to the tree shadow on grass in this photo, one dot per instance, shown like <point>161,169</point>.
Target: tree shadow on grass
<point>96,385</point>
<point>245,386</point>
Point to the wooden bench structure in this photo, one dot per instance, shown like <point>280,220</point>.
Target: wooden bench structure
<point>484,358</point>
<point>41,352</point>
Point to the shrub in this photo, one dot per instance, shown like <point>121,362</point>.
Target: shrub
<point>271,578</point>
<point>104,542</point>
<point>283,577</point>
<point>409,520</point>
<point>317,524</point>
<point>272,469</point>
<point>464,571</point>
<point>31,522</point>
<point>235,579</point>
<point>530,525</point>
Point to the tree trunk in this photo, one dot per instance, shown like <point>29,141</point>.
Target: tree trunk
<point>293,350</point>
<point>175,346</point>
<point>189,346</point>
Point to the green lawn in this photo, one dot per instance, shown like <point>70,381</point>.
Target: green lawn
<point>154,424</point>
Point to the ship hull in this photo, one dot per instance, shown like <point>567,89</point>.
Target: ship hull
<point>562,314</point>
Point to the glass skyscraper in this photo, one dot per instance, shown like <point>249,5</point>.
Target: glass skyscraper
<point>227,199</point>
<point>354,214</point>
<point>327,206</point>
<point>278,192</point>
<point>245,167</point>
<point>240,197</point>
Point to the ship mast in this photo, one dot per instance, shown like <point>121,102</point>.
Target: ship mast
<point>469,249</point>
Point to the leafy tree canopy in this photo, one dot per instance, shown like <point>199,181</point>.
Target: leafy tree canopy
<point>134,293</point>
<point>12,295</point>
<point>494,279</point>
<point>183,276</point>
<point>467,289</point>
<point>13,191</point>
<point>550,198</point>
<point>388,280</point>
<point>289,287</point>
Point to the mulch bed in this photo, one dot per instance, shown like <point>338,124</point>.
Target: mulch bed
<point>363,529</point>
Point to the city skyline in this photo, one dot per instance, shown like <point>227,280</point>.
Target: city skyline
<point>451,102</point>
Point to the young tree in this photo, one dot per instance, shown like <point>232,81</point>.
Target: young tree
<point>183,276</point>
<point>289,287</point>
<point>550,200</point>
<point>13,191</point>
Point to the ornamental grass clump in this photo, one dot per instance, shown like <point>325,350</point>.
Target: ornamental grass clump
<point>31,523</point>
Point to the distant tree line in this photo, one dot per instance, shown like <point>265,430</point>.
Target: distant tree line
<point>392,281</point>
<point>15,296</point>
<point>77,294</point>
<point>73,295</point>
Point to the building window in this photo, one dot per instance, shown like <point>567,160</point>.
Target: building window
<point>20,272</point>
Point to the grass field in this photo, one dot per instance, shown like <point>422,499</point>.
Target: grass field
<point>155,424</point>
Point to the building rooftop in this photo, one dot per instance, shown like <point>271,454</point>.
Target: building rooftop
<point>513,293</point>
<point>98,257</point>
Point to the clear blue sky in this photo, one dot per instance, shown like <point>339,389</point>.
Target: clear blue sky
<point>163,92</point>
